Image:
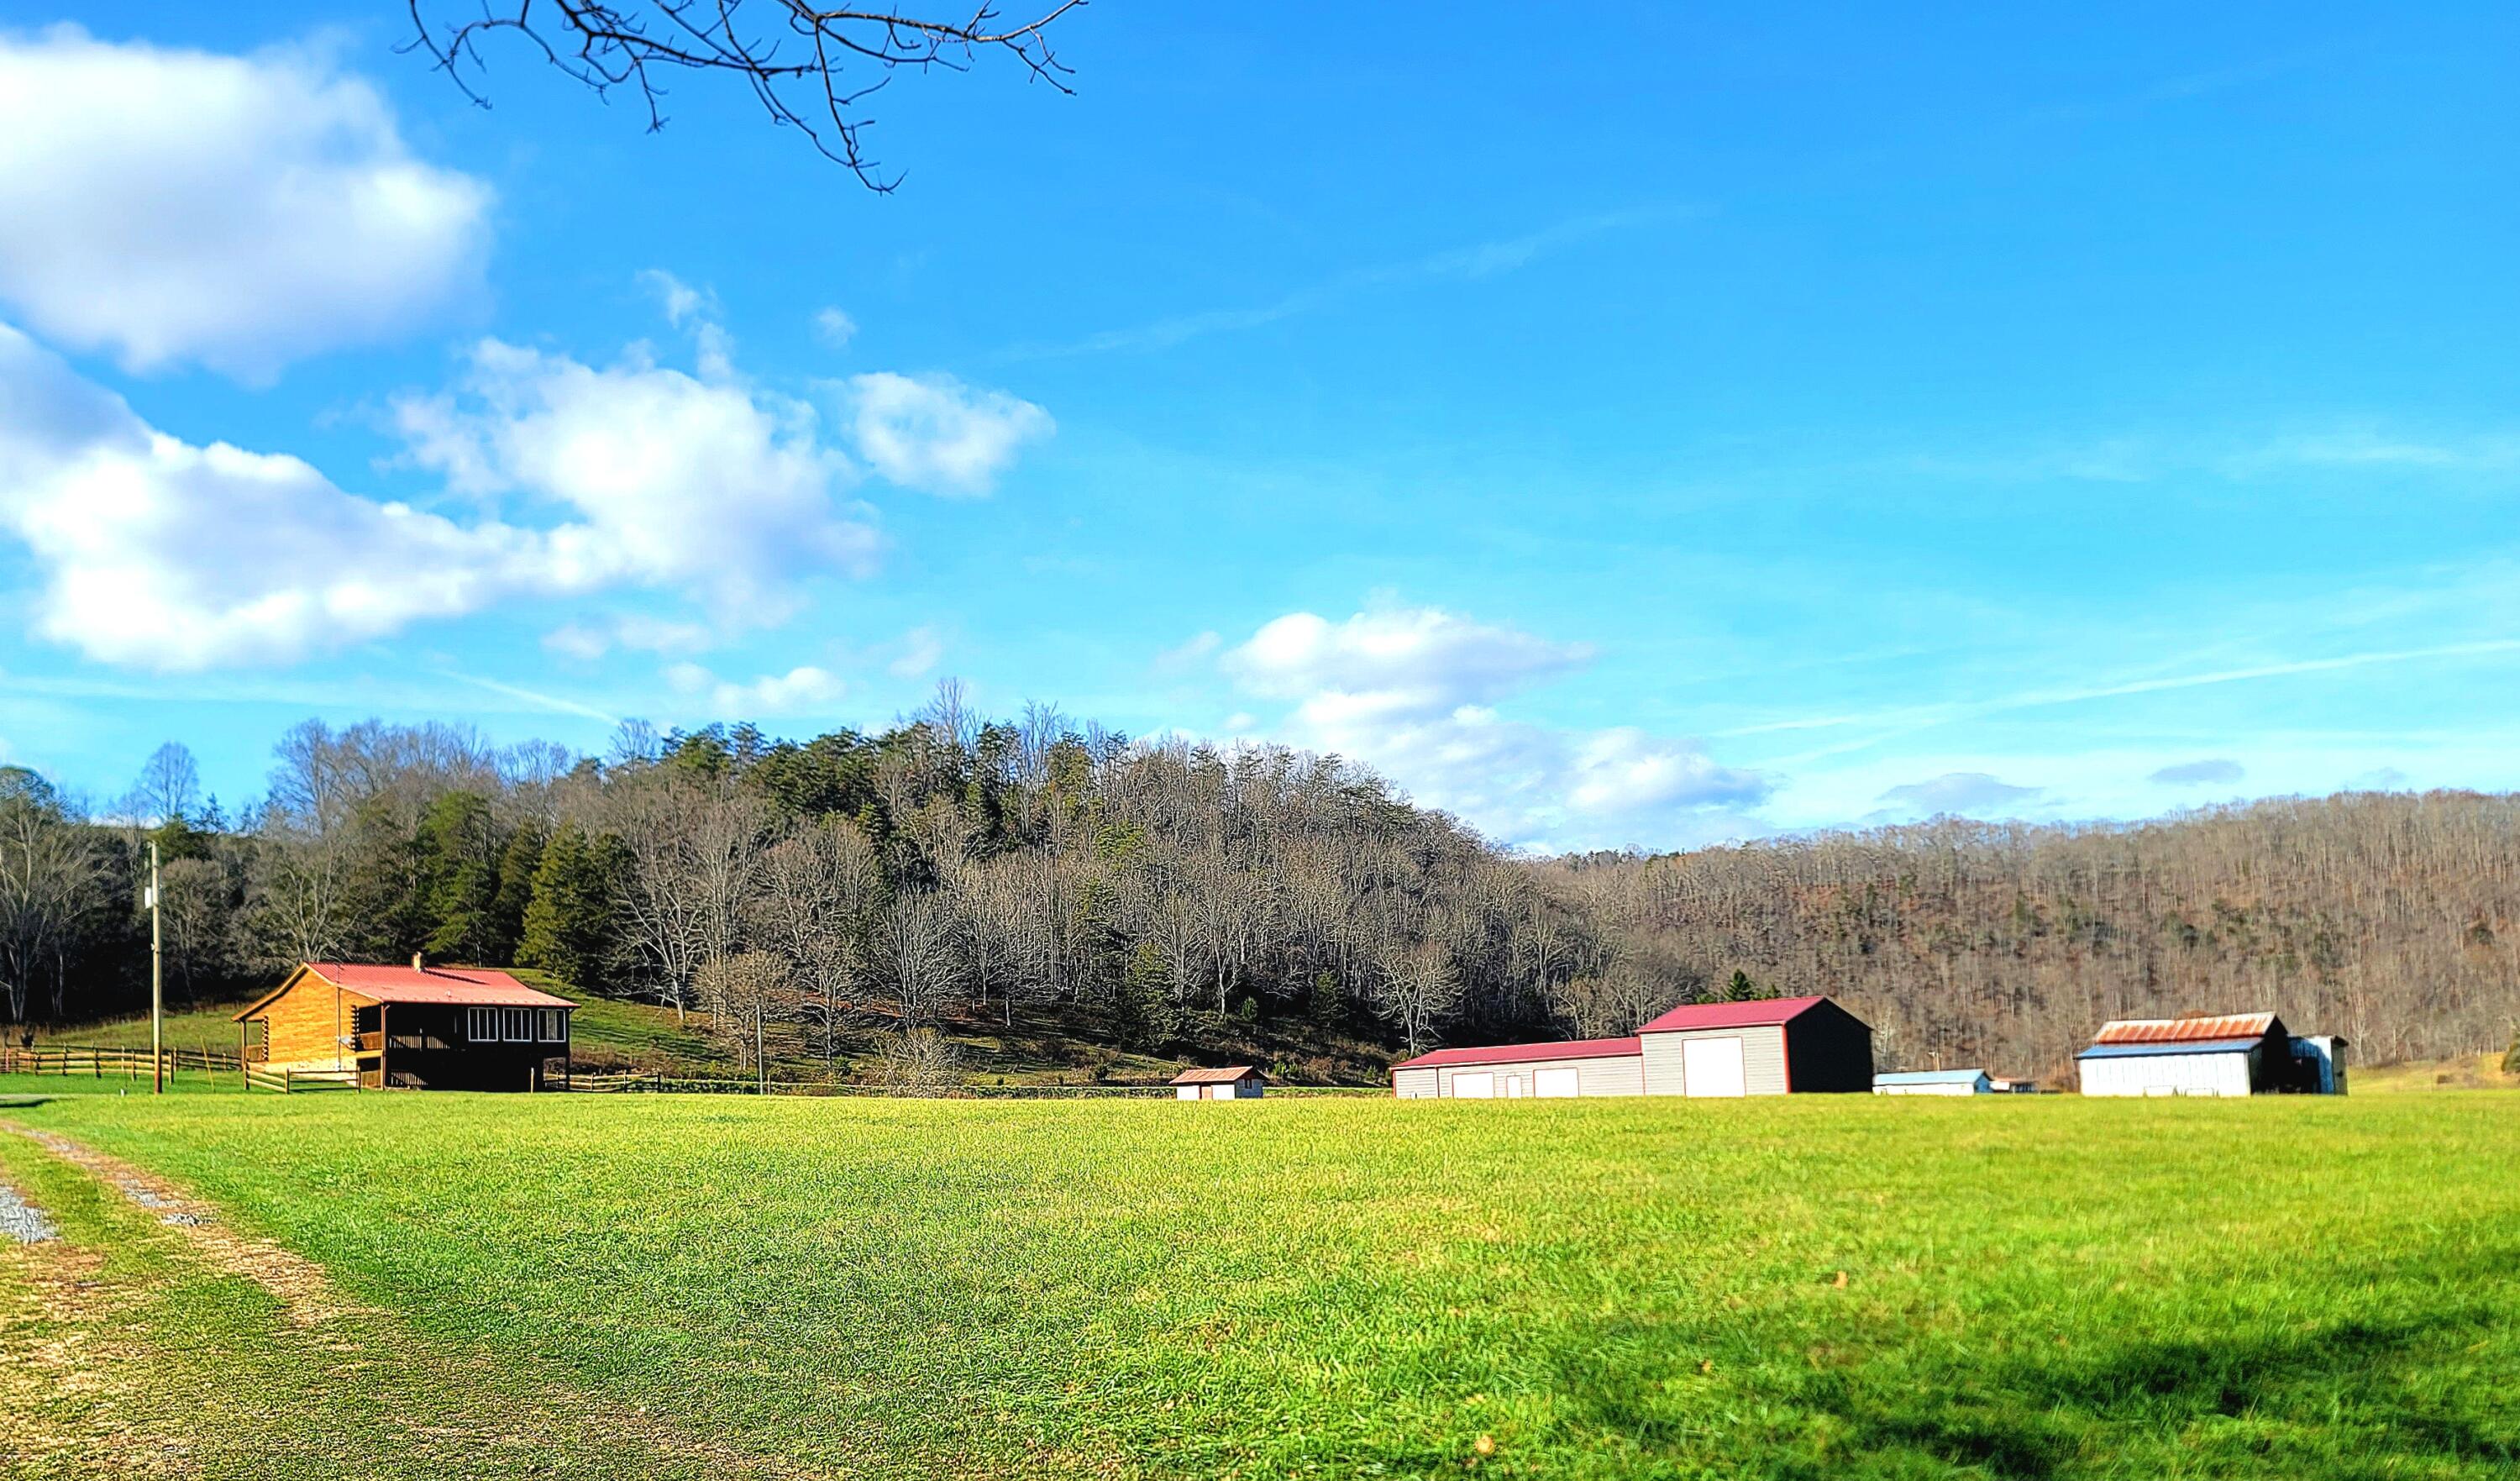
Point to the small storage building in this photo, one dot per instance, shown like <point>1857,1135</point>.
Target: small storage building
<point>410,1027</point>
<point>2209,1055</point>
<point>1513,1071</point>
<point>1232,1081</point>
<point>1934,1082</point>
<point>1774,1047</point>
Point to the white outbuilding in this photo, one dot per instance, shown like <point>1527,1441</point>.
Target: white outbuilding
<point>1767,1046</point>
<point>1232,1081</point>
<point>1934,1082</point>
<point>2210,1054</point>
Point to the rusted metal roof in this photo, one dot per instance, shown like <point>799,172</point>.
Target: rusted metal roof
<point>1757,1013</point>
<point>2186,1030</point>
<point>1524,1054</point>
<point>1225,1075</point>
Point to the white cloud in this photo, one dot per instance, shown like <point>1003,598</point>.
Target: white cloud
<point>1410,692</point>
<point>834,328</point>
<point>589,640</point>
<point>935,433</point>
<point>1394,661</point>
<point>803,690</point>
<point>156,552</point>
<point>670,480</point>
<point>1189,655</point>
<point>2199,773</point>
<point>679,300</point>
<point>166,206</point>
<point>1959,792</point>
<point>921,649</point>
<point>160,554</point>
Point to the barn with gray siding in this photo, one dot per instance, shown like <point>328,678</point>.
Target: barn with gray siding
<point>1778,1046</point>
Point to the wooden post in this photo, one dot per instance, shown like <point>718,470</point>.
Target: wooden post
<point>156,985</point>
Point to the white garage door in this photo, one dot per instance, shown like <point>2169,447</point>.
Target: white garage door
<point>1553,1082</point>
<point>1711,1067</point>
<point>1478,1087</point>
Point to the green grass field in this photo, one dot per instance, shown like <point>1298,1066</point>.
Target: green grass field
<point>2037,1288</point>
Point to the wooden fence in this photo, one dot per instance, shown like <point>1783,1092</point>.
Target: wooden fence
<point>286,1081</point>
<point>110,1063</point>
<point>132,1064</point>
<point>671,1084</point>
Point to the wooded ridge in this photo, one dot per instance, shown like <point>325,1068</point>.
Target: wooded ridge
<point>956,864</point>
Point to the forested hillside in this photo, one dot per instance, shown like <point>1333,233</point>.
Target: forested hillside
<point>951,868</point>
<point>2388,919</point>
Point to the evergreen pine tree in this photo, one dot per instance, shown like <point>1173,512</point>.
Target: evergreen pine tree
<point>566,929</point>
<point>517,864</point>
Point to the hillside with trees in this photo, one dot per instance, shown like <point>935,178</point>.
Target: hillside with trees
<point>1175,900</point>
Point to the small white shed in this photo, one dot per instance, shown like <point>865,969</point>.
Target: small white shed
<point>1232,1081</point>
<point>1934,1082</point>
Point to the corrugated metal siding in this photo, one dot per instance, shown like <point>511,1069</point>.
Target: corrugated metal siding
<point>1414,1084</point>
<point>2229,1074</point>
<point>1763,1059</point>
<point>1593,1077</point>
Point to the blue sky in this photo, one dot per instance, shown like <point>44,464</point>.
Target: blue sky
<point>1640,430</point>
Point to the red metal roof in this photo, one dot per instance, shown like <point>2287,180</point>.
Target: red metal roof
<point>464,985</point>
<point>1521,1053</point>
<point>1223,1075</point>
<point>1753,1015</point>
<point>2185,1030</point>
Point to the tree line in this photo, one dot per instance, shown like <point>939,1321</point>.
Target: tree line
<point>954,867</point>
<point>2391,918</point>
<point>949,867</point>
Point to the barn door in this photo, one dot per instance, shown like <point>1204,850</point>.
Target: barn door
<point>1552,1084</point>
<point>1712,1067</point>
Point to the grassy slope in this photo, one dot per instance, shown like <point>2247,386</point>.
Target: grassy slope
<point>2048,1289</point>
<point>1045,1046</point>
<point>2466,1072</point>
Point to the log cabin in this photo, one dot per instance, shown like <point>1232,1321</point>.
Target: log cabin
<point>415,1027</point>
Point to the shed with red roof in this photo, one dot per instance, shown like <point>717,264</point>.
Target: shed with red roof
<point>1772,1046</point>
<point>415,1027</point>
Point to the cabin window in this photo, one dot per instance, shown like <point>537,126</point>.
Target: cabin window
<point>554,1022</point>
<point>481,1026</point>
<point>518,1024</point>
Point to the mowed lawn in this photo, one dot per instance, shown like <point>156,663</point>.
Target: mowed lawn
<point>1819,1287</point>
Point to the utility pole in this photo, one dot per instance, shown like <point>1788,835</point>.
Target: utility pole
<point>156,985</point>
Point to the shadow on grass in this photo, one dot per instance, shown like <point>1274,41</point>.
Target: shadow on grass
<point>2348,1399</point>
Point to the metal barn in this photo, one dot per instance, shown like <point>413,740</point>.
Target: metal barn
<point>1703,1050</point>
<point>2226,1055</point>
<point>1934,1082</point>
<point>1232,1081</point>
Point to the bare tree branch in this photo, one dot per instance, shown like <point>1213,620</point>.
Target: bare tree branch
<point>809,65</point>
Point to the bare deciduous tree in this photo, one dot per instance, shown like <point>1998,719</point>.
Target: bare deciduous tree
<point>812,68</point>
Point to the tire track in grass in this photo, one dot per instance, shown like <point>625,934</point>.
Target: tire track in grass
<point>61,1383</point>
<point>60,1318</point>
<point>299,1284</point>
